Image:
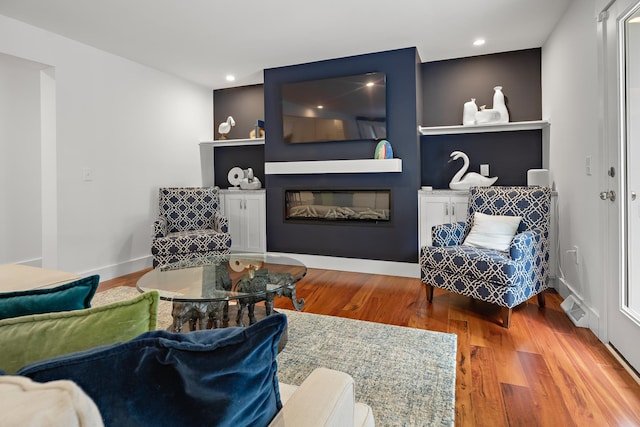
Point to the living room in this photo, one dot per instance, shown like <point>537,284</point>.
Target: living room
<point>102,133</point>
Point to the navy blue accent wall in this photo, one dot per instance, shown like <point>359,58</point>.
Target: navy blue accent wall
<point>393,241</point>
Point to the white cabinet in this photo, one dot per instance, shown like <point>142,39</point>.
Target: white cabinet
<point>439,207</point>
<point>246,211</point>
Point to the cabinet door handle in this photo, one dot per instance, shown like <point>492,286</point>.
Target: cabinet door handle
<point>453,209</point>
<point>446,209</point>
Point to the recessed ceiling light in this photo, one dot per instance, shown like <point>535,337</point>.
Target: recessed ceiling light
<point>370,84</point>
<point>230,77</point>
<point>321,106</point>
<point>479,42</point>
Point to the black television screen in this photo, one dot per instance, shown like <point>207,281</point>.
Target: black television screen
<point>336,109</point>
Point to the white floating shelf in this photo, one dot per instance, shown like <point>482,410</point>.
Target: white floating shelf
<point>233,142</point>
<point>490,127</point>
<point>333,166</point>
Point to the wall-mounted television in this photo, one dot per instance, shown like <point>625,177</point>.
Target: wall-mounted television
<point>343,108</point>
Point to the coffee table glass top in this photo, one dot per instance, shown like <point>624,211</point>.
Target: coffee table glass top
<point>224,277</point>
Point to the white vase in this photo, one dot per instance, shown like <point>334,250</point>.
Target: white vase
<point>499,105</point>
<point>469,112</point>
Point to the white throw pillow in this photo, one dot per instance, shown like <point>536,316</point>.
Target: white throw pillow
<point>492,231</point>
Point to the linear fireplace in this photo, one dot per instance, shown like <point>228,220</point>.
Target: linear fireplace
<point>353,206</point>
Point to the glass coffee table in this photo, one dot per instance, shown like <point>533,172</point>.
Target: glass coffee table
<point>206,292</point>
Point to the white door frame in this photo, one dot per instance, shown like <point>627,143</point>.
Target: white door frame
<point>620,328</point>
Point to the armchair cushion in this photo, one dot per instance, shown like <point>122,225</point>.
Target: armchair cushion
<point>75,295</point>
<point>492,231</point>
<point>217,377</point>
<point>28,339</point>
<point>185,242</point>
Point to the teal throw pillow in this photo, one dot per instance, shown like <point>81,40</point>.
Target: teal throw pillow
<point>28,339</point>
<point>70,296</point>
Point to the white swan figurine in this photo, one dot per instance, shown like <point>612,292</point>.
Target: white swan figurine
<point>225,127</point>
<point>472,179</point>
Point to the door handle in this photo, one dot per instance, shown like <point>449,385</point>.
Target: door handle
<point>610,195</point>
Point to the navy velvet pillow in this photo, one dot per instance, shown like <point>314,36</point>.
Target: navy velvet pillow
<point>75,295</point>
<point>216,377</point>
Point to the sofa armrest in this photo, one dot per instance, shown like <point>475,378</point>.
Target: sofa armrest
<point>448,234</point>
<point>160,227</point>
<point>325,398</point>
<point>524,245</point>
<point>220,222</point>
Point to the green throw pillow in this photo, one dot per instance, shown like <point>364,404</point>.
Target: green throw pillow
<point>75,295</point>
<point>28,339</point>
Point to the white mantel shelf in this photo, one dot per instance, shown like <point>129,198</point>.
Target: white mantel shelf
<point>491,127</point>
<point>333,166</point>
<point>233,142</point>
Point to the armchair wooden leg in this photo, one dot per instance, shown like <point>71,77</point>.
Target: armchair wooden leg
<point>506,317</point>
<point>429,292</point>
<point>541,302</point>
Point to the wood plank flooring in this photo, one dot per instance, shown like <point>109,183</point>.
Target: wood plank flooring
<point>543,371</point>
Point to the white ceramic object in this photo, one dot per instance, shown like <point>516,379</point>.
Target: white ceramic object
<point>254,184</point>
<point>460,181</point>
<point>226,126</point>
<point>235,175</point>
<point>469,112</point>
<point>499,105</point>
<point>488,115</point>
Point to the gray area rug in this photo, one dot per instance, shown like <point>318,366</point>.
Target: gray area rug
<point>406,375</point>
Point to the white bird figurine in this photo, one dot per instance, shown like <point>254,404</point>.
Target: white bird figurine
<point>472,179</point>
<point>225,127</point>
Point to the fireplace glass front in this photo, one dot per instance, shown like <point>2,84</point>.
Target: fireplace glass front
<point>338,205</point>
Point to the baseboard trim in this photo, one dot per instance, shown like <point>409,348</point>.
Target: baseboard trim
<point>35,262</point>
<point>627,367</point>
<point>367,266</point>
<point>116,270</point>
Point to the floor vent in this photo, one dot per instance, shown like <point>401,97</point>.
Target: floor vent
<point>576,313</point>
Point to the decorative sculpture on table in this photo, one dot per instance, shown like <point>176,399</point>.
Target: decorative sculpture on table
<point>225,127</point>
<point>472,115</point>
<point>460,181</point>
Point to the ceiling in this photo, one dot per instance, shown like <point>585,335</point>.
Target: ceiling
<point>204,40</point>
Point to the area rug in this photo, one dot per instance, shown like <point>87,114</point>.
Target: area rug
<point>406,375</point>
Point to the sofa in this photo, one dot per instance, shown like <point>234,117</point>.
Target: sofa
<point>325,398</point>
<point>144,377</point>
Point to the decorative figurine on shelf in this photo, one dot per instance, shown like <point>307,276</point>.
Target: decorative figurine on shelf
<point>250,182</point>
<point>472,115</point>
<point>225,127</point>
<point>383,150</point>
<point>469,112</point>
<point>472,179</point>
<point>258,131</point>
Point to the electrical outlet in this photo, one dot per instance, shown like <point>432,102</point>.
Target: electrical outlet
<point>484,170</point>
<point>577,254</point>
<point>87,174</point>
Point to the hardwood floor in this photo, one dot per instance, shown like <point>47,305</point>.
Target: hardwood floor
<point>543,371</point>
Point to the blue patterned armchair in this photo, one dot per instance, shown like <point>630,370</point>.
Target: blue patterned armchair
<point>189,226</point>
<point>504,278</point>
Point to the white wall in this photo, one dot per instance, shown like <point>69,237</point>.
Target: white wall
<point>135,128</point>
<point>570,103</point>
<point>20,207</point>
